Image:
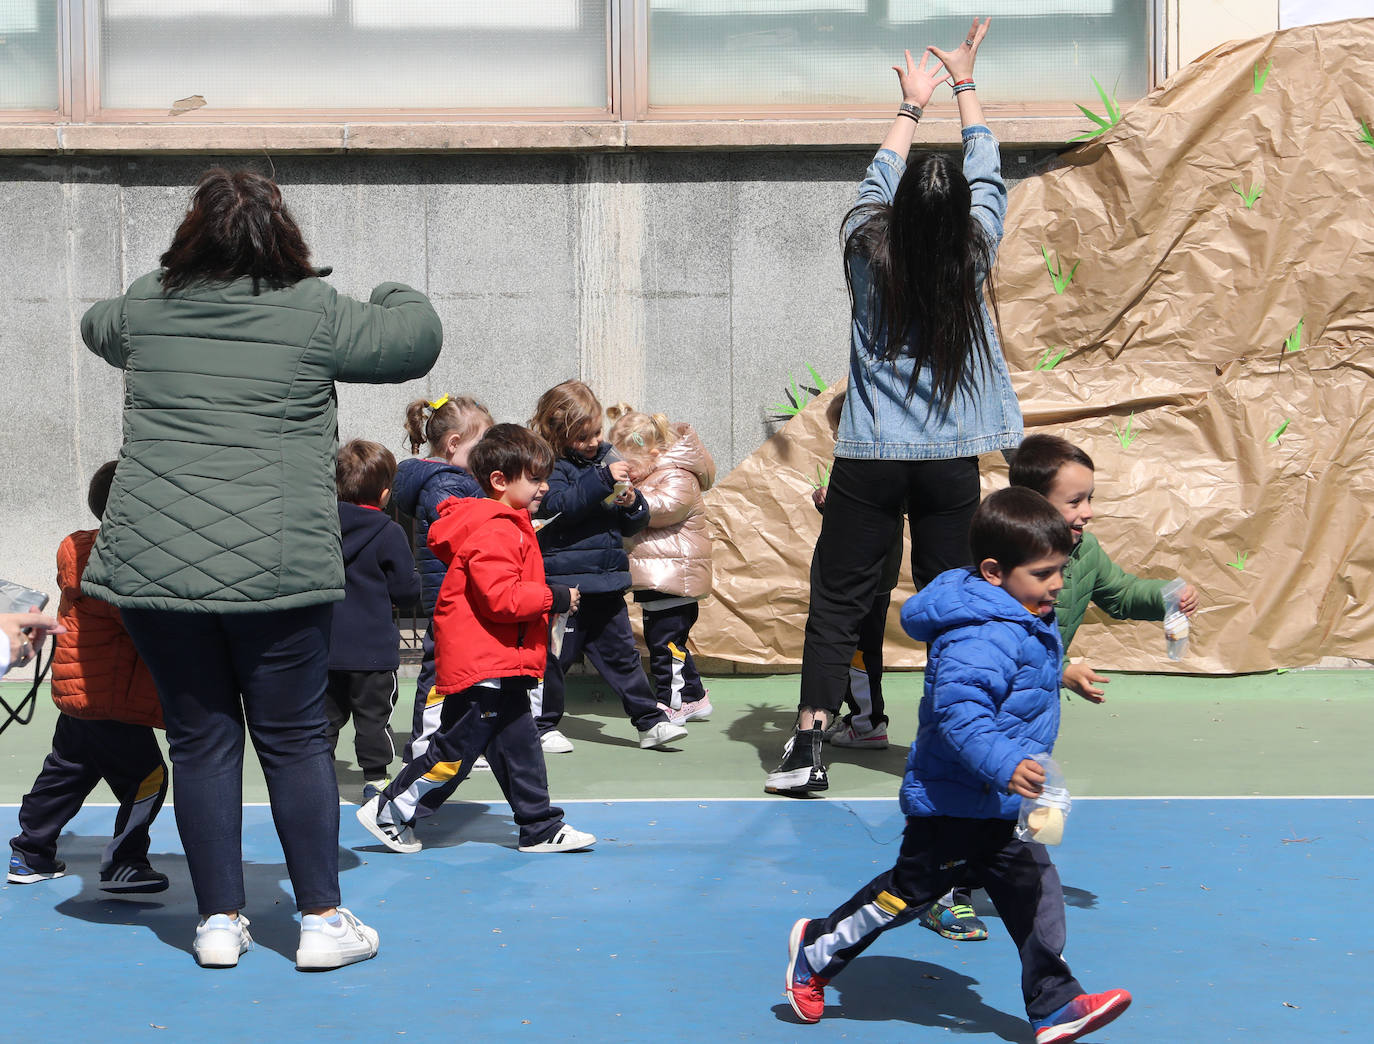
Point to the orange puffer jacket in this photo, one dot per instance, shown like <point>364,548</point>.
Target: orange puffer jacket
<point>96,671</point>
<point>673,555</point>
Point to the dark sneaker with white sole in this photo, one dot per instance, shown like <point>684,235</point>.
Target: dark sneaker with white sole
<point>802,771</point>
<point>132,879</point>
<point>22,872</point>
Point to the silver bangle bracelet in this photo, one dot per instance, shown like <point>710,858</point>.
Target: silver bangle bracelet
<point>907,109</point>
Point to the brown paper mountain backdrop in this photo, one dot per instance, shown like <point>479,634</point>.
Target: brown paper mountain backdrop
<point>1217,343</point>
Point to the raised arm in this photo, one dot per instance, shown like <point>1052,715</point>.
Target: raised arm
<point>393,338</point>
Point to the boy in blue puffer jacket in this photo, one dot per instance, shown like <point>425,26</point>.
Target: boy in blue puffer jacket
<point>991,703</point>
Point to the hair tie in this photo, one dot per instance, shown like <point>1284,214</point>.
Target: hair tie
<point>437,403</point>
<point>637,439</point>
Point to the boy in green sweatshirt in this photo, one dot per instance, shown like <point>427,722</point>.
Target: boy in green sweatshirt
<point>1063,474</point>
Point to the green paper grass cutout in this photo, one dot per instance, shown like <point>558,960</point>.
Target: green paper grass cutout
<point>1274,435</point>
<point>1104,123</point>
<point>1056,270</point>
<point>1249,197</point>
<point>1051,358</point>
<point>1126,435</point>
<point>822,477</point>
<point>1239,563</point>
<point>1261,77</point>
<point>1293,342</point>
<point>798,395</point>
<point>1365,135</point>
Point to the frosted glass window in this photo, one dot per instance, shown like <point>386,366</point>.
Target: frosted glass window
<point>760,54</point>
<point>362,54</point>
<point>28,54</point>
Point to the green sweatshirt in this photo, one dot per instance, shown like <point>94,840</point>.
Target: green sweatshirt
<point>1090,576</point>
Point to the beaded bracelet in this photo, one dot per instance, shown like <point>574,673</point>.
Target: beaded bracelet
<point>966,86</point>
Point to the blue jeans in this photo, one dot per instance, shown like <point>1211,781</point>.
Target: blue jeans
<point>214,672</point>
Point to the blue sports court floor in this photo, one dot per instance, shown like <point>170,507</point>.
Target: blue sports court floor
<point>1229,920</point>
<point>1242,914</point>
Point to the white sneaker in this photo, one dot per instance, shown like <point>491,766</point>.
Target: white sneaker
<point>481,764</point>
<point>565,839</point>
<point>221,940</point>
<point>661,735</point>
<point>332,942</point>
<point>554,742</point>
<point>397,838</point>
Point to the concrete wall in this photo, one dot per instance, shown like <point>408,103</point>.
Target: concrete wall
<point>691,283</point>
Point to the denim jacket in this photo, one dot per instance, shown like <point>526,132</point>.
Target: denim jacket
<point>880,422</point>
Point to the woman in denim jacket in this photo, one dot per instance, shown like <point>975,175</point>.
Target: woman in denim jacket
<point>928,386</point>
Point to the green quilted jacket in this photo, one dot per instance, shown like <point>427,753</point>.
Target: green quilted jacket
<point>1090,576</point>
<point>223,498</point>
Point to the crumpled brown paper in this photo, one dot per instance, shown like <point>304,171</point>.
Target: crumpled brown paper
<point>1176,380</point>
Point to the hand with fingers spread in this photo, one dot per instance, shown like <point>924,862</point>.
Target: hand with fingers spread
<point>959,62</point>
<point>918,82</point>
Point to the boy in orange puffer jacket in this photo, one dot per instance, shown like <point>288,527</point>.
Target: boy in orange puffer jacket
<point>109,707</point>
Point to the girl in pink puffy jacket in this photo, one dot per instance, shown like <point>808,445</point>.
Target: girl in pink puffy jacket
<point>670,561</point>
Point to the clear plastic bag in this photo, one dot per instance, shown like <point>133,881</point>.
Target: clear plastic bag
<point>1175,623</point>
<point>1042,818</point>
<point>557,629</point>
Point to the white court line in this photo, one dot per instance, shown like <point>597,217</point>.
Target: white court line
<point>819,801</point>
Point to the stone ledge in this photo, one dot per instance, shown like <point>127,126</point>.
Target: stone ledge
<point>478,136</point>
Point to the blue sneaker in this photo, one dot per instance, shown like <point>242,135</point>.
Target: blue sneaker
<point>22,873</point>
<point>957,922</point>
<point>1083,1014</point>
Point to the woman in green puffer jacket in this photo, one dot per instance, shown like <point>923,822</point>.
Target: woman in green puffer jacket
<point>221,541</point>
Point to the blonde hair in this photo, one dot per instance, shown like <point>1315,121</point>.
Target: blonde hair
<point>433,422</point>
<point>562,412</point>
<point>637,434</point>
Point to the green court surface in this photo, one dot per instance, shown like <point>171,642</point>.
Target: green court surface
<point>1302,733</point>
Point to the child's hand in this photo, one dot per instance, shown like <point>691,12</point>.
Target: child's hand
<point>1028,780</point>
<point>626,497</point>
<point>818,497</point>
<point>1188,600</point>
<point>1080,678</point>
<point>576,596</point>
<point>620,470</point>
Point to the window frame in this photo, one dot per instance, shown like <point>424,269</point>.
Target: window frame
<point>627,82</point>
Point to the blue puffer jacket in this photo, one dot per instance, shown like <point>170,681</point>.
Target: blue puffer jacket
<point>991,697</point>
<point>584,546</point>
<point>420,486</point>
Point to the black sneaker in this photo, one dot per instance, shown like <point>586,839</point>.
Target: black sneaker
<point>801,771</point>
<point>22,873</point>
<point>126,878</point>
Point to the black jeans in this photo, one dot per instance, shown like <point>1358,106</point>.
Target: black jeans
<point>214,672</point>
<point>84,752</point>
<point>601,629</point>
<point>863,515</point>
<point>936,851</point>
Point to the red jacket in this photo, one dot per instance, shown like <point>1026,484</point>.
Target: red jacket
<point>491,617</point>
<point>96,671</point>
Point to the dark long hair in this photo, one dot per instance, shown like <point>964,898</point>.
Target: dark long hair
<point>925,251</point>
<point>236,226</point>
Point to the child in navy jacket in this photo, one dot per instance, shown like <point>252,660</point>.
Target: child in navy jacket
<point>590,508</point>
<point>364,643</point>
<point>449,427</point>
<point>991,703</point>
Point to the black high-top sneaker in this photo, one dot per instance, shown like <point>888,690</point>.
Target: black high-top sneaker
<point>801,771</point>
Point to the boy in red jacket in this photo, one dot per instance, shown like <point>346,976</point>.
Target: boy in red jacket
<point>490,639</point>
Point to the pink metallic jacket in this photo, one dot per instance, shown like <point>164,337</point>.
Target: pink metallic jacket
<point>673,555</point>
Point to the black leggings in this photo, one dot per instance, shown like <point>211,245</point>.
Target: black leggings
<point>863,515</point>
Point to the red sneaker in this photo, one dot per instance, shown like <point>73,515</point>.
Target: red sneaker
<point>805,989</point>
<point>1083,1014</point>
